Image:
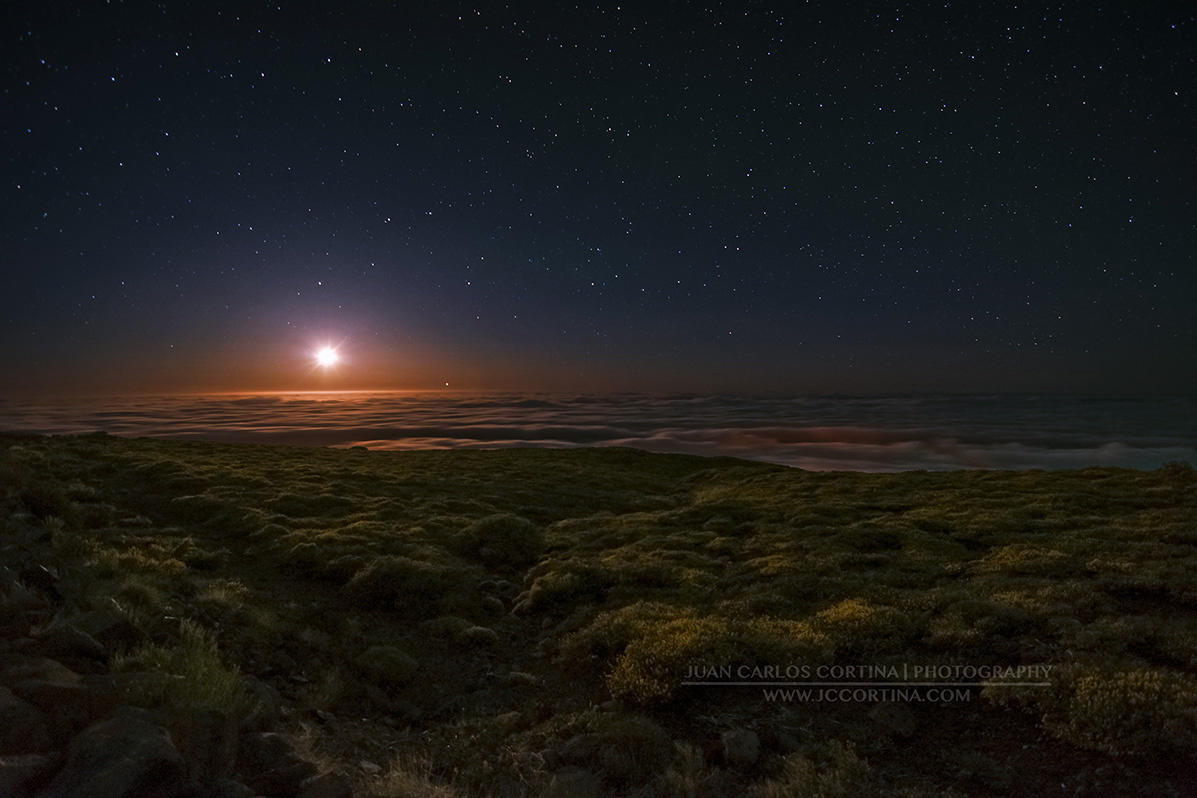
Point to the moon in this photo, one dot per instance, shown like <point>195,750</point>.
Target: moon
<point>327,356</point>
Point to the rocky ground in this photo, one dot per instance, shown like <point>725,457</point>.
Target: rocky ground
<point>67,727</point>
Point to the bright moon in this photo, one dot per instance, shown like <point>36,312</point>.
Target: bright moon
<point>326,356</point>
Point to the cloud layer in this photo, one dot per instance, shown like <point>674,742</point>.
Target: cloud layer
<point>854,433</point>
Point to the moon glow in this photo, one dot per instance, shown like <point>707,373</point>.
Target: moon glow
<point>326,356</point>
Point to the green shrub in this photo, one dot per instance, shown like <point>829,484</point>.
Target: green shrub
<point>1130,712</point>
<point>1180,470</point>
<point>1028,560</point>
<point>564,586</point>
<point>652,667</point>
<point>856,626</point>
<point>632,748</point>
<point>502,540</point>
<point>479,636</point>
<point>46,500</point>
<point>837,773</point>
<point>653,645</point>
<point>395,582</point>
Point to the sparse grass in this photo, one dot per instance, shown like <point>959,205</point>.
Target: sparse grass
<point>193,674</point>
<point>397,593</point>
<point>406,777</point>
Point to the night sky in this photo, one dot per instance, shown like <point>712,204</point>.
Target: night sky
<point>834,197</point>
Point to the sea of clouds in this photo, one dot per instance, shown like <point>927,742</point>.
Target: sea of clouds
<point>879,433</point>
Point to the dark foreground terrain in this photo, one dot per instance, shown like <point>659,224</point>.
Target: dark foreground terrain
<point>239,620</point>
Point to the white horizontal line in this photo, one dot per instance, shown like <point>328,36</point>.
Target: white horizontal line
<point>866,684</point>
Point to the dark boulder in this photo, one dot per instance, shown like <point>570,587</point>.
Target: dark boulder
<point>24,729</point>
<point>270,764</point>
<point>22,774</point>
<point>126,756</point>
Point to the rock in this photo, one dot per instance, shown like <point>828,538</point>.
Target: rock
<point>110,627</point>
<point>326,785</point>
<point>68,705</point>
<point>267,704</point>
<point>17,597</point>
<point>19,609</point>
<point>532,760</point>
<point>581,749</point>
<point>41,668</point>
<point>506,587</point>
<point>787,742</point>
<point>24,729</point>
<point>388,665</point>
<point>573,783</point>
<point>270,765</point>
<point>207,739</point>
<point>377,696</point>
<point>741,747</point>
<point>70,642</point>
<point>23,646</point>
<point>43,578</point>
<point>632,749</point>
<point>895,718</point>
<point>521,679</point>
<point>8,579</point>
<point>124,756</point>
<point>406,710</point>
<point>508,721</point>
<point>132,687</point>
<point>370,767</point>
<point>227,788</point>
<point>551,758</point>
<point>20,775</point>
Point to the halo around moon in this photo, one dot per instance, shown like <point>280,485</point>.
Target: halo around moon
<point>326,356</point>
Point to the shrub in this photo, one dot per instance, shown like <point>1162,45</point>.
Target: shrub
<point>857,626</point>
<point>46,500</point>
<point>479,636</point>
<point>838,773</point>
<point>566,585</point>
<point>305,558</point>
<point>1178,469</point>
<point>388,665</point>
<point>502,540</point>
<point>1028,560</point>
<point>632,748</point>
<point>687,776</point>
<point>1130,712</point>
<point>652,666</point>
<point>654,644</point>
<point>392,582</point>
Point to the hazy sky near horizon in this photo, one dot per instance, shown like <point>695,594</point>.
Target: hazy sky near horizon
<point>735,197</point>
